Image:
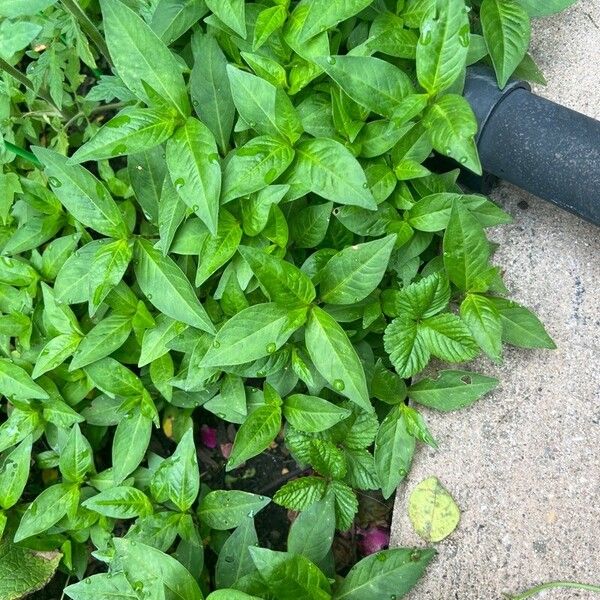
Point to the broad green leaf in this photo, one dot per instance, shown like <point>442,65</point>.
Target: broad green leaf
<point>231,12</point>
<point>335,358</point>
<point>14,472</point>
<point>20,8</point>
<point>257,331</point>
<point>107,269</point>
<point>120,502</point>
<point>281,281</point>
<point>448,338</point>
<point>167,288</point>
<point>84,196</point>
<point>172,18</point>
<point>317,17</point>
<point>311,534</point>
<point>300,493</point>
<point>432,213</point>
<point>256,210</point>
<point>264,107</point>
<point>483,319</point>
<point>130,443</point>
<point>140,56</point>
<point>254,166</point>
<point>216,251</point>
<point>328,169</point>
<point>432,510</point>
<point>352,274</point>
<point>178,478</point>
<point>255,434</point>
<point>151,567</point>
<point>103,585</point>
<point>312,414</point>
<point>394,449</point>
<point>290,576</point>
<point>34,233</point>
<point>15,382</point>
<point>102,340</point>
<point>507,31</point>
<point>520,327</point>
<point>452,390</point>
<point>309,225</point>
<point>268,21</point>
<point>234,558</point>
<point>24,571</point>
<point>384,574</point>
<point>451,125</point>
<point>133,130</point>
<point>155,341</point>
<point>76,458</point>
<point>404,343</point>
<point>466,249</point>
<point>542,9</point>
<point>55,352</point>
<point>110,376</point>
<point>17,427</point>
<point>388,36</point>
<point>222,509</point>
<point>47,509</point>
<point>374,83</point>
<point>209,88</point>
<point>443,44</point>
<point>195,170</point>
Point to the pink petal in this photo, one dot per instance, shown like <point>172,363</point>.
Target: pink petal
<point>208,436</point>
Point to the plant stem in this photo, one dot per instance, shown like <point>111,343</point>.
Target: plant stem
<point>24,80</point>
<point>25,154</point>
<point>88,27</point>
<point>554,584</point>
<point>95,111</point>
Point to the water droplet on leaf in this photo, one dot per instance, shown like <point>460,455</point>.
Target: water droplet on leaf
<point>272,347</point>
<point>339,385</point>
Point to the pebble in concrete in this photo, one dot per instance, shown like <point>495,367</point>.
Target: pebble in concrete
<point>524,463</point>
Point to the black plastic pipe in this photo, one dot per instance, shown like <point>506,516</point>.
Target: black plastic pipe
<point>542,147</point>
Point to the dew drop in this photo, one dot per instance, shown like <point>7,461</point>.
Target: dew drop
<point>213,158</point>
<point>221,415</point>
<point>339,385</point>
<point>464,35</point>
<point>331,60</point>
<point>381,557</point>
<point>463,160</point>
<point>88,581</point>
<point>229,559</point>
<point>272,347</point>
<point>195,207</point>
<point>365,185</point>
<point>149,296</point>
<point>194,102</point>
<point>179,183</point>
<point>448,151</point>
<point>415,555</point>
<point>119,149</point>
<point>138,586</point>
<point>216,344</point>
<point>251,514</point>
<point>54,182</point>
<point>425,37</point>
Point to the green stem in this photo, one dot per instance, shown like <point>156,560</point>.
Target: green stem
<point>16,74</point>
<point>88,27</point>
<point>554,584</point>
<point>25,154</point>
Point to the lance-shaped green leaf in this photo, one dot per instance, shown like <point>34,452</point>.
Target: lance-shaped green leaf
<point>110,376</point>
<point>234,558</point>
<point>507,31</point>
<point>177,478</point>
<point>47,509</point>
<point>76,458</point>
<point>312,414</point>
<point>452,390</point>
<point>120,502</point>
<point>352,274</point>
<point>14,472</point>
<point>140,56</point>
<point>374,83</point>
<point>84,196</point>
<point>231,12</point>
<point>432,510</point>
<point>195,170</point>
<point>451,125</point>
<point>133,130</point>
<point>55,352</point>
<point>171,214</point>
<point>226,509</point>
<point>264,107</point>
<point>255,434</point>
<point>466,249</point>
<point>268,21</point>
<point>328,169</point>
<point>102,340</point>
<point>15,382</point>
<point>484,322</point>
<point>335,358</point>
<point>394,449</point>
<point>130,443</point>
<point>147,171</point>
<point>167,288</point>
<point>541,9</point>
<point>317,17</point>
<point>107,269</point>
<point>254,166</point>
<point>209,88</point>
<point>384,574</point>
<point>112,585</point>
<point>281,281</point>
<point>172,18</point>
<point>256,331</point>
<point>443,44</point>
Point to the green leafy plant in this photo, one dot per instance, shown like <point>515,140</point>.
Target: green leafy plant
<point>260,241</point>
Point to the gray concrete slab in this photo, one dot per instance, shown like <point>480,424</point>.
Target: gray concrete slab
<point>524,463</point>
